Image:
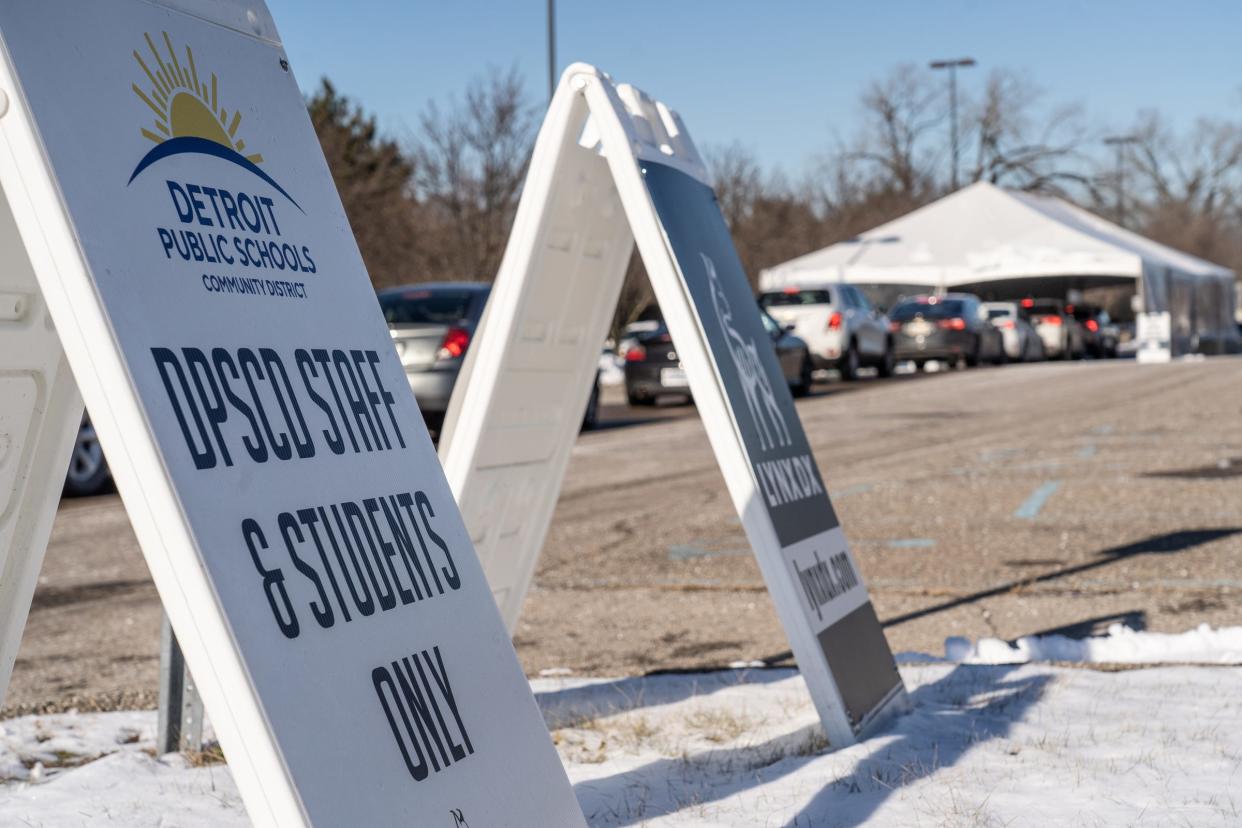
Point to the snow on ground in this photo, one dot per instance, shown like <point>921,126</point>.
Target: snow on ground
<point>1028,744</point>
<point>1121,645</point>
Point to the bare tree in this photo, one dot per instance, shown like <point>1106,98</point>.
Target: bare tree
<point>900,111</point>
<point>1188,190</point>
<point>372,176</point>
<point>471,162</point>
<point>1017,147</point>
<point>737,180</point>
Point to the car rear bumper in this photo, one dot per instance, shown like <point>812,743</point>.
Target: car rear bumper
<point>648,379</point>
<point>1054,342</point>
<point>432,389</point>
<point>1013,343</point>
<point>937,345</point>
<point>826,349</point>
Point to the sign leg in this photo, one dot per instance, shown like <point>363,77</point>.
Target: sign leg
<point>181,708</point>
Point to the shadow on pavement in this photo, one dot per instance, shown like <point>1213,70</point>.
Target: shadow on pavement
<point>1091,627</point>
<point>1165,544</point>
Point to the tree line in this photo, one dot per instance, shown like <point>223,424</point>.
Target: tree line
<point>439,204</point>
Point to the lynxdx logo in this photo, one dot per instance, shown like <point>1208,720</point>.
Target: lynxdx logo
<point>459,821</point>
<point>756,386</point>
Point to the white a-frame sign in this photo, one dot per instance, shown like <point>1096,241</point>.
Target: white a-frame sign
<point>167,217</point>
<point>611,167</point>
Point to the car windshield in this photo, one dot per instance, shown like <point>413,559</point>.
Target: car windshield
<point>426,306</point>
<point>773,327</point>
<point>1044,309</point>
<point>999,313</point>
<point>794,296</point>
<point>947,309</point>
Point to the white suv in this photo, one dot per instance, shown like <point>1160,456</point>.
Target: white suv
<point>840,327</point>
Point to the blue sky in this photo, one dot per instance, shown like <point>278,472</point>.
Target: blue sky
<point>781,78</point>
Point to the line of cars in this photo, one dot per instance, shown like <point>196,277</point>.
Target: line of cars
<point>834,327</point>
<point>814,327</point>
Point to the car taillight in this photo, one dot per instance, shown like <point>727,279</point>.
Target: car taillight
<point>1092,325</point>
<point>1008,325</point>
<point>1052,320</point>
<point>894,326</point>
<point>834,321</point>
<point>636,354</point>
<point>957,324</point>
<point>454,344</point>
<point>1028,303</point>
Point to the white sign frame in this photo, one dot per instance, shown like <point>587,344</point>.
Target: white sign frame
<point>52,275</point>
<point>508,435</point>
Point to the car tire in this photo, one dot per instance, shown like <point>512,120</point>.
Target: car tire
<point>972,359</point>
<point>805,378</point>
<point>88,469</point>
<point>590,418</point>
<point>636,400</point>
<point>849,363</point>
<point>888,363</point>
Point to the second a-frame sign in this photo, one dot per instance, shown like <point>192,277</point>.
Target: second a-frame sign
<point>172,223</point>
<point>612,166</point>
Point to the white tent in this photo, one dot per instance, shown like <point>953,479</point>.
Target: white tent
<point>1006,244</point>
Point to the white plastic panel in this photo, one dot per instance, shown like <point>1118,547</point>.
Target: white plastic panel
<point>517,407</point>
<point>39,415</point>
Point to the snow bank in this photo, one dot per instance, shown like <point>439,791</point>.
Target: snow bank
<point>1020,745</point>
<point>1121,645</point>
<point>611,369</point>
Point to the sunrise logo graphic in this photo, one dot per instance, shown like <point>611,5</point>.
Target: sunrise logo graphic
<point>189,115</point>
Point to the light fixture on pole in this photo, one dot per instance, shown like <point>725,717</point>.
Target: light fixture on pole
<point>952,66</point>
<point>551,49</point>
<point>1119,142</point>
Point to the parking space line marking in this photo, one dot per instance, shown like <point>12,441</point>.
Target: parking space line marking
<point>859,488</point>
<point>1030,507</point>
<point>686,552</point>
<point>911,543</point>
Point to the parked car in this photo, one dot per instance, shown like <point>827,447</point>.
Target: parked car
<point>792,352</point>
<point>432,325</point>
<point>1059,330</point>
<point>840,327</point>
<point>653,370</point>
<point>652,367</point>
<point>951,328</point>
<point>1101,335</point>
<point>88,468</point>
<point>1022,343</point>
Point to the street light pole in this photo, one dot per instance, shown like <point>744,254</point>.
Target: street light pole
<point>551,49</point>
<point>952,66</point>
<point>1120,142</point>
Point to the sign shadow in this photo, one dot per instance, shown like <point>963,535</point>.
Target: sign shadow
<point>965,707</point>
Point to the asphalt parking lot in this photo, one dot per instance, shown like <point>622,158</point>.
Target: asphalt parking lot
<point>997,502</point>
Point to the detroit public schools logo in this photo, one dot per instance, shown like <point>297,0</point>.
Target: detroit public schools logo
<point>189,115</point>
